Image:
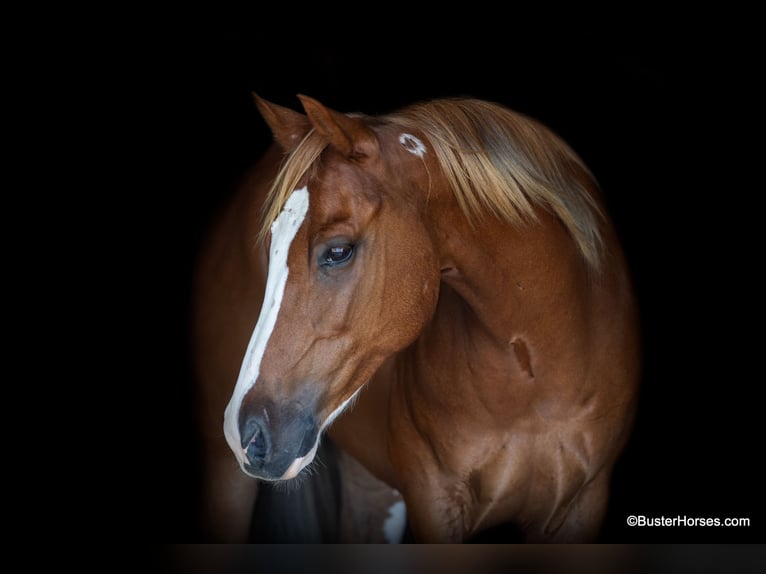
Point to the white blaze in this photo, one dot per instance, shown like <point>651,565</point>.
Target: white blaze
<point>283,231</point>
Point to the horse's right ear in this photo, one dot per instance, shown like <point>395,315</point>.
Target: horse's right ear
<point>288,126</point>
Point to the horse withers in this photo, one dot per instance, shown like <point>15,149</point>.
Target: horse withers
<point>441,290</point>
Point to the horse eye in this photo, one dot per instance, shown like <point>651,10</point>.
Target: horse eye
<point>337,255</point>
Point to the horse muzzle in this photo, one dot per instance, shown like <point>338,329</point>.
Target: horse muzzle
<point>277,443</point>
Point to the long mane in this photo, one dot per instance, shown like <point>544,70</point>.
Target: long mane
<point>502,163</point>
<point>498,162</point>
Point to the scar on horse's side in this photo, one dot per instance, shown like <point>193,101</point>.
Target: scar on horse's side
<point>522,356</point>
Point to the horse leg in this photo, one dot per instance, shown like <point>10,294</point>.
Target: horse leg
<point>338,500</point>
<point>371,511</point>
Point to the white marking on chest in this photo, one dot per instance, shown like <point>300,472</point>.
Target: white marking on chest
<point>283,231</point>
<point>412,144</point>
<point>393,526</point>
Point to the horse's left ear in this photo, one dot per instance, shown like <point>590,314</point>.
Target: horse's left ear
<point>349,135</point>
<point>287,126</point>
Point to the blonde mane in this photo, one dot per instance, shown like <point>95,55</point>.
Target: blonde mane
<point>503,163</point>
<point>497,162</point>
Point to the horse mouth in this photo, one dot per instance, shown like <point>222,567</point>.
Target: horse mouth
<point>285,467</point>
<point>293,470</point>
<point>300,463</point>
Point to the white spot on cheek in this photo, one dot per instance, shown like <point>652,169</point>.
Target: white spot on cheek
<point>412,144</point>
<point>283,231</point>
<point>393,527</point>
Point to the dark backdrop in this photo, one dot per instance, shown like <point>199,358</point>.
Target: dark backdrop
<point>653,109</point>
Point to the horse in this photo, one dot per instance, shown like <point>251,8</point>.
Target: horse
<point>441,291</point>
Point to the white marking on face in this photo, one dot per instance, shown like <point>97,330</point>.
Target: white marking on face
<point>283,231</point>
<point>393,526</point>
<point>300,463</point>
<point>412,144</point>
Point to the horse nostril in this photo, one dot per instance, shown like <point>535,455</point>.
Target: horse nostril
<point>257,449</point>
<point>255,439</point>
<point>248,431</point>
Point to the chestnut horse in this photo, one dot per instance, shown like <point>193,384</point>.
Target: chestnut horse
<point>443,286</point>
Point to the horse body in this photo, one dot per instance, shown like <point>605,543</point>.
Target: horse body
<point>492,366</point>
<point>496,410</point>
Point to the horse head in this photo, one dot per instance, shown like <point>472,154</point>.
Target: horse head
<point>353,277</point>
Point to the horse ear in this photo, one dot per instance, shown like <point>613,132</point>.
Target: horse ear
<point>288,126</point>
<point>349,135</point>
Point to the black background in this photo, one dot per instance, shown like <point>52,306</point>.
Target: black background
<point>657,112</point>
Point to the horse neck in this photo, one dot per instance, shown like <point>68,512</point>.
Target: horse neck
<point>508,276</point>
<point>512,309</point>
